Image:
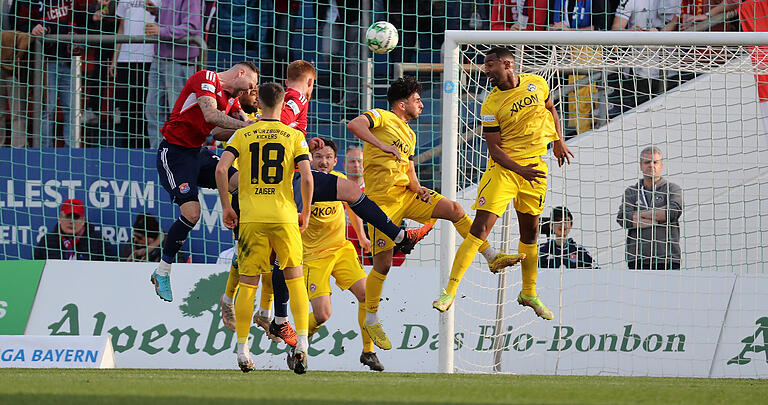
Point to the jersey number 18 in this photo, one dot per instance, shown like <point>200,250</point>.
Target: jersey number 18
<point>270,160</point>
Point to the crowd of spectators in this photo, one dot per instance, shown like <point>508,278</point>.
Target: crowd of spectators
<point>129,87</point>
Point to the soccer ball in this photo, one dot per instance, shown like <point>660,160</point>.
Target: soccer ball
<point>381,37</point>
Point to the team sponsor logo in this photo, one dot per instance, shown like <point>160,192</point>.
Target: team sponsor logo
<point>184,188</point>
<point>531,87</point>
<point>208,87</point>
<point>525,102</point>
<point>481,201</point>
<point>312,287</point>
<point>574,257</point>
<point>380,243</point>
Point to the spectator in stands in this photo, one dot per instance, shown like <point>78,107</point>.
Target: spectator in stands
<point>505,15</point>
<point>353,164</point>
<point>536,15</point>
<point>237,22</point>
<point>13,84</point>
<point>283,24</point>
<point>174,61</point>
<point>561,250</point>
<point>650,211</point>
<point>74,238</point>
<point>147,242</point>
<point>638,85</point>
<point>582,14</point>
<point>50,17</point>
<point>421,24</point>
<point>130,68</point>
<point>341,23</point>
<point>100,21</point>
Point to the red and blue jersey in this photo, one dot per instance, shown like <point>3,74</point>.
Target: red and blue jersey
<point>187,126</point>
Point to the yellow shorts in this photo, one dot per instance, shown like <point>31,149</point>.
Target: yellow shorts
<point>257,240</point>
<point>406,205</point>
<point>499,185</point>
<point>342,264</point>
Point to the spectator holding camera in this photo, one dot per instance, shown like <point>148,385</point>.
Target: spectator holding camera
<point>74,238</point>
<point>560,250</point>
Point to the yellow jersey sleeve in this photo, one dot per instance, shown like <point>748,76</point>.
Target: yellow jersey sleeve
<point>488,112</point>
<point>300,147</point>
<point>375,118</point>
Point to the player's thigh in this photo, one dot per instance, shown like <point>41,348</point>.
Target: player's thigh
<point>285,239</point>
<point>347,269</point>
<point>317,275</point>
<point>497,188</point>
<point>419,210</point>
<point>208,161</point>
<point>253,249</point>
<point>178,170</point>
<point>325,186</point>
<point>530,199</point>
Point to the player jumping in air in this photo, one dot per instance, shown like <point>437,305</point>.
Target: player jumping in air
<point>300,83</point>
<point>267,151</point>
<point>390,180</point>
<point>327,252</point>
<point>207,105</point>
<point>519,121</point>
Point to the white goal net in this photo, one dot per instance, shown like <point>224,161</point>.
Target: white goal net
<point>695,98</point>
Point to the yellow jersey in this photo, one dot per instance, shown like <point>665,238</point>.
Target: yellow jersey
<point>253,117</point>
<point>382,174</point>
<point>520,115</point>
<point>267,151</point>
<point>327,228</point>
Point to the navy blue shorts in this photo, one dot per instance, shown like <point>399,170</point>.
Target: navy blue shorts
<point>182,170</point>
<point>325,187</point>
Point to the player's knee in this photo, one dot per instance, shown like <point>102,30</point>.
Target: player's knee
<point>456,211</point>
<point>192,216</point>
<point>322,315</point>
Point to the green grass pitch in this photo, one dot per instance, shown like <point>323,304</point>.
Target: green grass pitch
<point>316,387</point>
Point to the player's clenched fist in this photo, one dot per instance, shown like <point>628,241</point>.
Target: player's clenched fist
<point>229,217</point>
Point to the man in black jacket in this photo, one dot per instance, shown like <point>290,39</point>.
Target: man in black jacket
<point>74,238</point>
<point>561,250</point>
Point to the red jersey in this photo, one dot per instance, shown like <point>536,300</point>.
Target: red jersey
<point>295,111</point>
<point>187,126</point>
<point>754,18</point>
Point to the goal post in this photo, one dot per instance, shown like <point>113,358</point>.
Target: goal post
<point>706,118</point>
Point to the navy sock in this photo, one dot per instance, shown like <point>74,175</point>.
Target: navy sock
<point>236,207</point>
<point>175,238</point>
<point>280,291</point>
<point>372,214</point>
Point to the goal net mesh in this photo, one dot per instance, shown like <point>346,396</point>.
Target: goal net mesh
<point>699,106</point>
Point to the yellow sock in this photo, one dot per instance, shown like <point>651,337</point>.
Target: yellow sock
<point>244,311</point>
<point>462,227</point>
<point>529,267</point>
<point>464,256</point>
<point>373,288</point>
<point>299,304</point>
<point>367,342</point>
<point>267,294</point>
<point>232,280</point>
<point>313,326</point>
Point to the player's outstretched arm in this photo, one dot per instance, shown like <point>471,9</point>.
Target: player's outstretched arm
<point>216,117</point>
<point>307,188</point>
<point>229,217</point>
<point>360,127</point>
<point>559,148</point>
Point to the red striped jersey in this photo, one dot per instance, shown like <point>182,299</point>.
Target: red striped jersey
<point>187,126</point>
